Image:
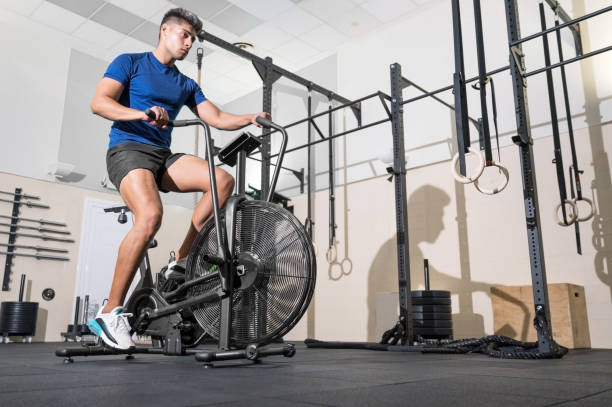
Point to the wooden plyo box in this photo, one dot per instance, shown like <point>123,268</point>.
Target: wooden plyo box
<point>513,313</point>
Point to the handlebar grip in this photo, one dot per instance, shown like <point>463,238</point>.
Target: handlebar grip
<point>264,122</point>
<point>150,113</point>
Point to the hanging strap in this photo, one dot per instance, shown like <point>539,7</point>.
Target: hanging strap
<point>558,160</point>
<point>494,106</point>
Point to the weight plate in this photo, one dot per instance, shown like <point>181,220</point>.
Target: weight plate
<point>429,323</point>
<point>432,315</point>
<point>431,301</point>
<point>433,331</point>
<point>48,294</point>
<point>430,294</point>
<point>436,309</point>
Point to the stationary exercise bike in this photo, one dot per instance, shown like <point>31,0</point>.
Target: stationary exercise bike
<point>249,278</point>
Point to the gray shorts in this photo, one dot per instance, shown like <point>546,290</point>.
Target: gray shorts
<point>125,157</point>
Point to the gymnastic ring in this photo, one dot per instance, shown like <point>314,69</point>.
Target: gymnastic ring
<point>343,263</point>
<point>331,255</point>
<point>467,180</point>
<point>496,190</point>
<point>590,215</point>
<point>573,217</point>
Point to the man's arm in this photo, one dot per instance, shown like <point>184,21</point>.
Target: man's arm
<point>105,103</point>
<point>225,121</point>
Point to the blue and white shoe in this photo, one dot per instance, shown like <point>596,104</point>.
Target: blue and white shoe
<point>113,328</point>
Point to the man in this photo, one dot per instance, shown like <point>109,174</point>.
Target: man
<point>139,161</point>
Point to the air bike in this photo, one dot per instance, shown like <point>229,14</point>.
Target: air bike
<point>249,278</point>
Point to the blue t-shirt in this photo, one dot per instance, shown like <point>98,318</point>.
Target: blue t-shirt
<point>147,82</point>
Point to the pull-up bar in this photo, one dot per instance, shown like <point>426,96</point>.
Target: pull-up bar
<point>560,26</point>
<point>205,36</point>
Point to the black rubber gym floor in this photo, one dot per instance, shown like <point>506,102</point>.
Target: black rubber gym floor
<point>31,375</point>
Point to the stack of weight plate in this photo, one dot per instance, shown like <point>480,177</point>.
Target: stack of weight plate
<point>431,314</point>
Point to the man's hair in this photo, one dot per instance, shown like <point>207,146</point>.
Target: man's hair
<point>180,14</point>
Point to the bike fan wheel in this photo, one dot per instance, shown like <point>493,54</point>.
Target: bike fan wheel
<point>276,267</point>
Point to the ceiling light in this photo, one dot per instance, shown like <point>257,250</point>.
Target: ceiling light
<point>243,45</point>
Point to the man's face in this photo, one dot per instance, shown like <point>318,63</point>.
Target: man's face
<point>178,37</point>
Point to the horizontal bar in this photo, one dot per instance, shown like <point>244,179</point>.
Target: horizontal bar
<point>335,136</point>
<point>569,61</point>
<point>330,110</point>
<point>274,165</point>
<point>560,26</point>
<point>26,196</point>
<point>205,36</point>
<point>444,89</point>
<point>349,104</point>
<point>475,122</point>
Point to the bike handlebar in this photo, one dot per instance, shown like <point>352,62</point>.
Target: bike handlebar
<point>263,121</point>
<point>266,122</point>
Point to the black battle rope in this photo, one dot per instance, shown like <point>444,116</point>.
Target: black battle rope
<point>496,346</point>
<point>575,177</point>
<point>502,346</point>
<point>558,160</point>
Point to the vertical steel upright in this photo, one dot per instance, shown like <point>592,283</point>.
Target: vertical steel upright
<point>268,75</point>
<point>310,171</point>
<point>530,194</point>
<point>398,83</point>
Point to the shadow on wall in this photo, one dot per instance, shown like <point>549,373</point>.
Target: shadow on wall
<point>602,181</point>
<point>426,210</point>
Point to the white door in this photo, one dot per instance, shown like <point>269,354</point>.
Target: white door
<point>100,239</point>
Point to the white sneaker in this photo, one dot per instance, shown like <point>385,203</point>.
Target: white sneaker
<point>113,328</point>
<point>176,269</point>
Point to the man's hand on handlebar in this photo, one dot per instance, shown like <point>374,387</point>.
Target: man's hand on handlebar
<point>158,118</point>
<point>263,114</point>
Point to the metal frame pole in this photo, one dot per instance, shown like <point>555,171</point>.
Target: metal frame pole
<point>309,223</point>
<point>268,77</point>
<point>398,83</point>
<point>277,70</point>
<point>530,192</point>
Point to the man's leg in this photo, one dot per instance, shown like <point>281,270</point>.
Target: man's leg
<point>190,174</point>
<point>139,192</point>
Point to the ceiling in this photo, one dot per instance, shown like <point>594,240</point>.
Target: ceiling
<point>295,33</point>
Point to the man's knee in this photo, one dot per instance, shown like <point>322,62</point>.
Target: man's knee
<point>225,182</point>
<point>149,221</point>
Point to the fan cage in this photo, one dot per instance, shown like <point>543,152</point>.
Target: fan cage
<point>278,297</point>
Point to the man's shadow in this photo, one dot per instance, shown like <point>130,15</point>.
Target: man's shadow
<point>425,212</point>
